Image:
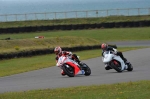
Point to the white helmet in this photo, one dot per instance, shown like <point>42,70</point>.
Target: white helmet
<point>57,50</point>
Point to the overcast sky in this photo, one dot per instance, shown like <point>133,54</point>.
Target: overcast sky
<point>66,0</point>
<point>18,6</point>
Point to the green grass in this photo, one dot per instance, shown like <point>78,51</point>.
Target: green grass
<point>141,33</point>
<point>19,65</point>
<point>129,90</point>
<point>74,21</point>
<point>26,41</point>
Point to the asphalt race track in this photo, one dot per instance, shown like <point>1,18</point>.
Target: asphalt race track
<point>51,78</point>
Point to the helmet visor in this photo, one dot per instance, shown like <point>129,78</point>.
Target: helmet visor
<point>56,52</point>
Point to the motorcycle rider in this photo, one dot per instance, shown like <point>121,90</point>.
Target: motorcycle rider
<point>58,51</point>
<point>106,47</point>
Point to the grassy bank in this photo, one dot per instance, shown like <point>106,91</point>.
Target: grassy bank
<point>74,21</point>
<point>20,45</point>
<point>129,90</point>
<point>26,41</point>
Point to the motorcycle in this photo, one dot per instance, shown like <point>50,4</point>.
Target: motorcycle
<point>115,62</point>
<point>72,68</point>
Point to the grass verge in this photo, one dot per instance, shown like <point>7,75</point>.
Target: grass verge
<point>129,90</point>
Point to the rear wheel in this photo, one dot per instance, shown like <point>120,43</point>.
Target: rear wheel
<point>68,70</point>
<point>117,66</point>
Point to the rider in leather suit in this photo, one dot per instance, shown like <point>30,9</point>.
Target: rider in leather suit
<point>58,51</point>
<point>106,47</point>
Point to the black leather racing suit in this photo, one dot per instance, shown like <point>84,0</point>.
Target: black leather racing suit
<point>114,49</point>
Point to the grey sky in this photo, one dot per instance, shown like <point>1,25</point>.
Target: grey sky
<point>32,6</point>
<point>66,0</point>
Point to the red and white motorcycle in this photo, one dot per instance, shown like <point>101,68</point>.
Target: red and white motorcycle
<point>115,62</point>
<point>72,68</point>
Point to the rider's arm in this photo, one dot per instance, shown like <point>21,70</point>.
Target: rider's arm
<point>109,48</point>
<point>56,59</point>
<point>115,51</point>
<point>112,49</point>
<point>102,53</point>
<point>67,53</point>
<point>114,46</point>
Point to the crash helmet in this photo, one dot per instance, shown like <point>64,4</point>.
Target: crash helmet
<point>103,46</point>
<point>57,50</point>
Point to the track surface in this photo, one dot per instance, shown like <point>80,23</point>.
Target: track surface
<point>51,78</point>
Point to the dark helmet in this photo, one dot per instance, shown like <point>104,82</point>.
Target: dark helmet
<point>104,46</point>
<point>57,50</point>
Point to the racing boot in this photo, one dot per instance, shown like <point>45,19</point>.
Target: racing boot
<point>63,73</point>
<point>81,72</point>
<point>126,62</point>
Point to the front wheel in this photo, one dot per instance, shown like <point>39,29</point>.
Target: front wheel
<point>130,67</point>
<point>68,70</point>
<point>87,69</point>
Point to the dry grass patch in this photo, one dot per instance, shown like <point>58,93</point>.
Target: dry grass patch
<point>16,45</point>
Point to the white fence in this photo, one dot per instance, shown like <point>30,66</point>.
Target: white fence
<point>74,14</point>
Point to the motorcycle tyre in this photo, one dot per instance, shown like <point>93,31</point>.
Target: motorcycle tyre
<point>130,67</point>
<point>115,67</point>
<point>65,69</point>
<point>87,69</point>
